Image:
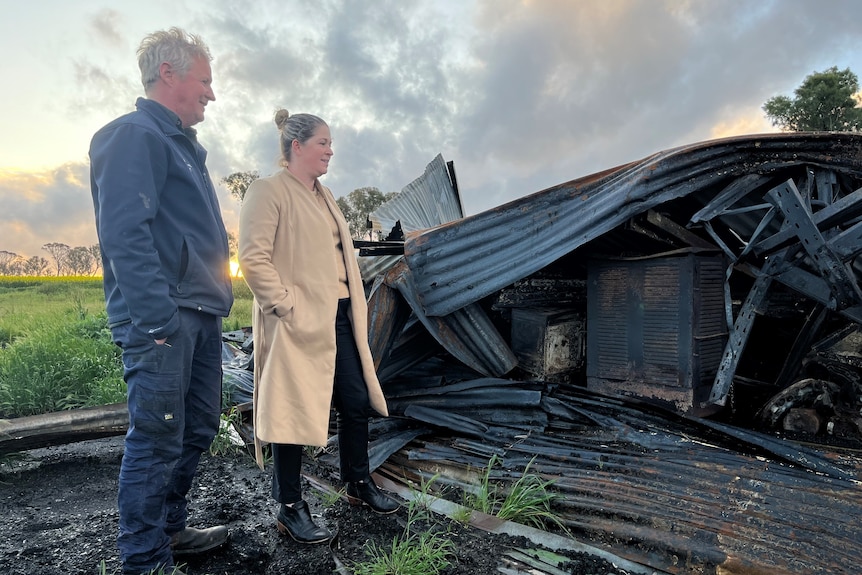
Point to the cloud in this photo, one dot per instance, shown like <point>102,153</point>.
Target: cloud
<point>520,94</point>
<point>53,206</point>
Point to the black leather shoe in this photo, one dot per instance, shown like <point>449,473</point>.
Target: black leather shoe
<point>295,520</point>
<point>191,541</point>
<point>367,492</point>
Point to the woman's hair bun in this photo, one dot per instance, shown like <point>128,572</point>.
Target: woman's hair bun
<point>281,117</point>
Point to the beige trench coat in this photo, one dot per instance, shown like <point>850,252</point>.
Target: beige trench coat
<point>287,258</point>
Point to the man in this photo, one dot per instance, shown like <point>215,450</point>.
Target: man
<point>167,287</point>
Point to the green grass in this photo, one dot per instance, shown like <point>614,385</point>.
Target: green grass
<point>56,351</point>
<point>527,501</point>
<point>240,313</point>
<point>63,362</point>
<point>422,549</point>
<point>29,304</point>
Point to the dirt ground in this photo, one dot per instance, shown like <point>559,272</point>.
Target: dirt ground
<point>60,517</point>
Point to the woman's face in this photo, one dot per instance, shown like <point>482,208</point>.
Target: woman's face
<point>312,156</point>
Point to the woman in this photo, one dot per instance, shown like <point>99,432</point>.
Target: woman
<point>310,326</point>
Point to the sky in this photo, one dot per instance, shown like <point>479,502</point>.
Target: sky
<point>520,94</point>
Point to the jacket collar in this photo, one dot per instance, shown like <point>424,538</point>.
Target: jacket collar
<point>168,121</point>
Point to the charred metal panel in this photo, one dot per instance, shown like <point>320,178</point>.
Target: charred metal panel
<point>539,292</point>
<point>655,327</point>
<point>550,343</point>
<point>387,315</point>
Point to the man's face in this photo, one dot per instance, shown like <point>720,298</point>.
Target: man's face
<point>192,92</point>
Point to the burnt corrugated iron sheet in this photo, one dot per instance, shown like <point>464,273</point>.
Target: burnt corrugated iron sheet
<point>428,201</point>
<point>459,263</point>
<point>677,494</point>
<point>468,333</point>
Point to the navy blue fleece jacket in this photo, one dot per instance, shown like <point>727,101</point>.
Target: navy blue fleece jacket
<point>163,241</point>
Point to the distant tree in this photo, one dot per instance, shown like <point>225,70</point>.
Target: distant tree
<point>80,261</point>
<point>825,101</point>
<point>18,267</point>
<point>96,251</point>
<point>6,259</point>
<point>35,266</point>
<point>358,204</point>
<point>59,253</point>
<point>238,182</point>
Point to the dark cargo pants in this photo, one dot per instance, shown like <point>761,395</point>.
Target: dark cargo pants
<point>174,397</point>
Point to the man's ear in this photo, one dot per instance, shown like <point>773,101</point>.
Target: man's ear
<point>166,72</point>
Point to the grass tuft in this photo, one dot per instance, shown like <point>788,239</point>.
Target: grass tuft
<point>528,501</point>
<point>418,551</point>
<point>227,440</point>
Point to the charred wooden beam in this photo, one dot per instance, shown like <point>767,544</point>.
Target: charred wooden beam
<point>62,427</point>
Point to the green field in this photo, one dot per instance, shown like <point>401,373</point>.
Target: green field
<point>55,348</point>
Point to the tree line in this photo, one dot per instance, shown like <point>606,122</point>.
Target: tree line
<point>64,261</point>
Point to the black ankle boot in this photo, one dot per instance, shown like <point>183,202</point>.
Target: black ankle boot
<point>365,491</point>
<point>295,520</point>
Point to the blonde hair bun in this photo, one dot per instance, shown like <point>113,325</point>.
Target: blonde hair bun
<point>281,117</point>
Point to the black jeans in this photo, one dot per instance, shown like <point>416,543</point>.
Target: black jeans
<point>350,396</point>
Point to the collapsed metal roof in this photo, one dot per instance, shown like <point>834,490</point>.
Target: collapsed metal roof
<point>718,277</point>
<point>720,187</point>
<point>779,208</point>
